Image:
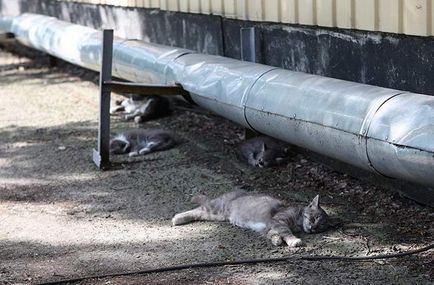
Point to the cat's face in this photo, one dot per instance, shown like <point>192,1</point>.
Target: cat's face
<point>268,157</point>
<point>119,146</point>
<point>315,219</point>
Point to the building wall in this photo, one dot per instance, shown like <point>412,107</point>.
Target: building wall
<point>411,17</point>
<point>390,60</point>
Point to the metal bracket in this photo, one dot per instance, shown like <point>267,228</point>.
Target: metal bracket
<point>248,44</point>
<point>101,155</point>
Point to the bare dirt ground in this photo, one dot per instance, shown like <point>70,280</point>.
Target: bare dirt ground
<point>60,217</point>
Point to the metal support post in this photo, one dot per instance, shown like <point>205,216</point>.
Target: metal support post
<point>101,156</point>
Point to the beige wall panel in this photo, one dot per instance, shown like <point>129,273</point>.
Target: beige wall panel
<point>155,4</point>
<point>163,4</point>
<point>229,8</point>
<point>344,18</point>
<point>289,13</point>
<point>140,3</point>
<point>194,6</point>
<point>254,10</point>
<point>325,14</point>
<point>432,18</point>
<point>306,13</point>
<point>415,17</point>
<point>241,9</point>
<point>205,6</point>
<point>173,5</point>
<point>184,5</point>
<point>271,10</point>
<point>365,14</point>
<point>217,7</point>
<point>388,16</point>
<point>147,3</point>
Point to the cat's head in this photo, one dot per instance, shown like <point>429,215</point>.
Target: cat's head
<point>268,157</point>
<point>119,146</point>
<point>315,219</point>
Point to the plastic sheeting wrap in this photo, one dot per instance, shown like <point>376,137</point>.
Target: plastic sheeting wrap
<point>6,24</point>
<point>218,83</point>
<point>387,131</point>
<point>61,39</point>
<point>132,60</point>
<point>144,62</point>
<point>401,138</point>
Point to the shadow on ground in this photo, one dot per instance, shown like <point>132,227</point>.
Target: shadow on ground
<point>63,218</point>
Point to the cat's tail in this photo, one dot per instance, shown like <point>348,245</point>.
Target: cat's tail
<point>199,199</point>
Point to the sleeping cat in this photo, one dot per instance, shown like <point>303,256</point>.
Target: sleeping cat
<point>263,152</point>
<point>141,142</point>
<point>143,110</point>
<point>261,213</point>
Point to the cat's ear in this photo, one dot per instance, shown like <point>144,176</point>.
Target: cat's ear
<point>315,202</point>
<point>264,147</point>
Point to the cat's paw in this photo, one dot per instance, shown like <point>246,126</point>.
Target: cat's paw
<point>177,220</point>
<point>134,153</point>
<point>138,119</point>
<point>293,242</point>
<point>276,240</point>
<point>144,151</point>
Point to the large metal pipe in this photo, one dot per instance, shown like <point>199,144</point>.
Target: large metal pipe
<point>386,131</point>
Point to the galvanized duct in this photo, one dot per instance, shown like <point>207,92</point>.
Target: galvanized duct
<point>386,131</point>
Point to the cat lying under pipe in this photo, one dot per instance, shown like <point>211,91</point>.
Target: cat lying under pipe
<point>260,213</point>
<point>141,141</point>
<point>152,107</point>
<point>263,152</point>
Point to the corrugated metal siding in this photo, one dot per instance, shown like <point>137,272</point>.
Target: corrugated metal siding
<point>413,17</point>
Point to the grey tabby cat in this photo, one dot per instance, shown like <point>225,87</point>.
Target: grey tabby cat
<point>263,152</point>
<point>261,213</point>
<point>152,107</point>
<point>141,142</point>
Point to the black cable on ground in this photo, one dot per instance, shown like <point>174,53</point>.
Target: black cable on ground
<point>248,261</point>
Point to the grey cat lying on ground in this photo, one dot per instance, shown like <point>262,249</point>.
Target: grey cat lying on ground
<point>152,107</point>
<point>141,142</point>
<point>263,152</point>
<point>261,213</point>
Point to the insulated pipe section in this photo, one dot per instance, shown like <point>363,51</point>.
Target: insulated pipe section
<point>325,115</point>
<point>132,60</point>
<point>219,84</point>
<point>6,24</point>
<point>400,138</point>
<point>386,131</point>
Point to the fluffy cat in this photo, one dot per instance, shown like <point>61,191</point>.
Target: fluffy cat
<point>143,110</point>
<point>263,152</point>
<point>261,213</point>
<point>141,142</point>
